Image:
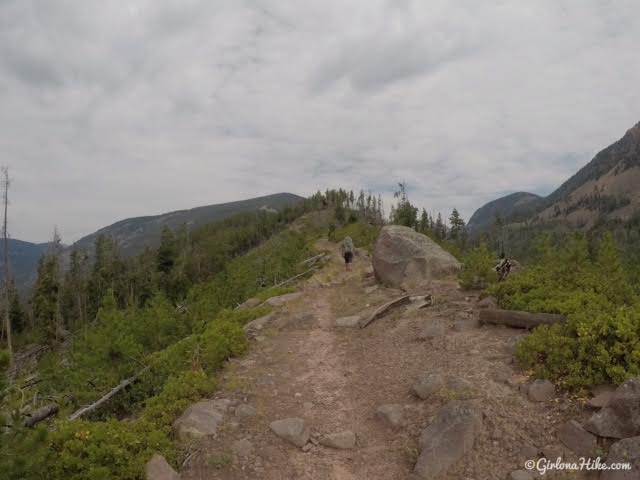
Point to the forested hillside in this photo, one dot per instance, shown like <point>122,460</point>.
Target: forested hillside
<point>163,319</point>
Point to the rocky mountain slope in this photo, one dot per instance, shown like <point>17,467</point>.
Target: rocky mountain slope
<point>607,188</point>
<point>505,207</point>
<point>134,234</point>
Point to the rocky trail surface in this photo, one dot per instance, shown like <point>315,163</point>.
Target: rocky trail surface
<point>317,397</point>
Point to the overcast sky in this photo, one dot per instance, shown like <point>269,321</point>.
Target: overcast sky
<point>112,109</point>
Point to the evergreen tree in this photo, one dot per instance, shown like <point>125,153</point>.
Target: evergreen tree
<point>46,296</point>
<point>440,230</point>
<point>17,315</point>
<point>404,212</point>
<point>424,222</point>
<point>168,252</point>
<point>457,225</point>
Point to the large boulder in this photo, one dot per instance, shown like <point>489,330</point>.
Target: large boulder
<point>450,436</point>
<point>625,451</point>
<point>404,258</point>
<point>620,418</point>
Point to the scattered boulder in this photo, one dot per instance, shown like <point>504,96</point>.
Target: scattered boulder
<point>448,438</point>
<point>280,300</point>
<point>602,394</point>
<point>158,469</point>
<point>503,374</point>
<point>624,451</point>
<point>201,419</point>
<point>488,302</point>
<point>293,430</point>
<point>577,439</point>
<point>426,385</point>
<point>541,391</point>
<point>250,303</point>
<point>406,259</point>
<point>255,326</point>
<point>242,448</point>
<point>621,417</point>
<point>244,410</point>
<point>342,440</point>
<point>391,414</point>
<point>350,321</point>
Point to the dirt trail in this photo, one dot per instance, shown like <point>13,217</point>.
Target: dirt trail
<point>335,378</point>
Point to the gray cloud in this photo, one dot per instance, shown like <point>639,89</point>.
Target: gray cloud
<point>115,109</point>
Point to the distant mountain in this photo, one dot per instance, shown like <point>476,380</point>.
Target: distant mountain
<point>607,188</point>
<point>505,207</point>
<point>23,261</point>
<point>134,234</point>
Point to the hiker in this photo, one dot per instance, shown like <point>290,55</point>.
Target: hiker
<point>503,268</point>
<point>347,252</point>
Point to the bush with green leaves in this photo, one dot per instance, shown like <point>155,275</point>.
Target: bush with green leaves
<point>600,342</point>
<point>477,271</point>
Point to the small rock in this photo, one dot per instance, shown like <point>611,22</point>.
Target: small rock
<point>307,447</point>
<point>624,451</point>
<point>621,416</point>
<point>541,391</point>
<point>307,406</point>
<point>601,400</point>
<point>577,439</point>
<point>283,299</point>
<point>158,469</point>
<point>201,419</point>
<point>242,448</point>
<point>292,430</point>
<point>511,344</point>
<point>521,475</point>
<point>448,438</point>
<point>255,326</point>
<point>351,321</point>
<point>391,414</point>
<point>488,302</point>
<point>426,385</point>
<point>244,410</point>
<point>342,440</point>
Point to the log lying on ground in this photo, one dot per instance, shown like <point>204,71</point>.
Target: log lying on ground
<point>514,318</point>
<point>378,312</point>
<point>41,414</point>
<point>90,408</point>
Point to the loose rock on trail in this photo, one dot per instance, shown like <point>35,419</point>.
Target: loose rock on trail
<point>305,401</point>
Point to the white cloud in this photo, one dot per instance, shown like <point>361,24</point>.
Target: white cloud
<point>123,108</point>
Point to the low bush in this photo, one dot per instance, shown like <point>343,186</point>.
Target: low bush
<point>477,271</point>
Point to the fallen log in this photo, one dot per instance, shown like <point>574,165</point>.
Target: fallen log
<point>378,312</point>
<point>517,319</point>
<point>95,405</point>
<point>41,414</point>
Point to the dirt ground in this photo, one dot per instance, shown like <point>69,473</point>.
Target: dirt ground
<point>303,365</point>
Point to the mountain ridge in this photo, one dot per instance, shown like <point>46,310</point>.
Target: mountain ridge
<point>607,187</point>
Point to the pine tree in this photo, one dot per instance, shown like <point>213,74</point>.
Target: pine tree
<point>167,252</point>
<point>404,212</point>
<point>457,225</point>
<point>440,231</point>
<point>46,296</point>
<point>17,314</point>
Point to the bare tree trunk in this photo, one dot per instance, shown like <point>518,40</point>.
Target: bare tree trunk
<point>7,319</point>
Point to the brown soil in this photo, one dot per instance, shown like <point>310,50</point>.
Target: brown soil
<point>335,378</point>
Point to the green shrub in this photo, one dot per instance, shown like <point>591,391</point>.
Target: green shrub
<point>600,342</point>
<point>477,271</point>
<point>273,292</point>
